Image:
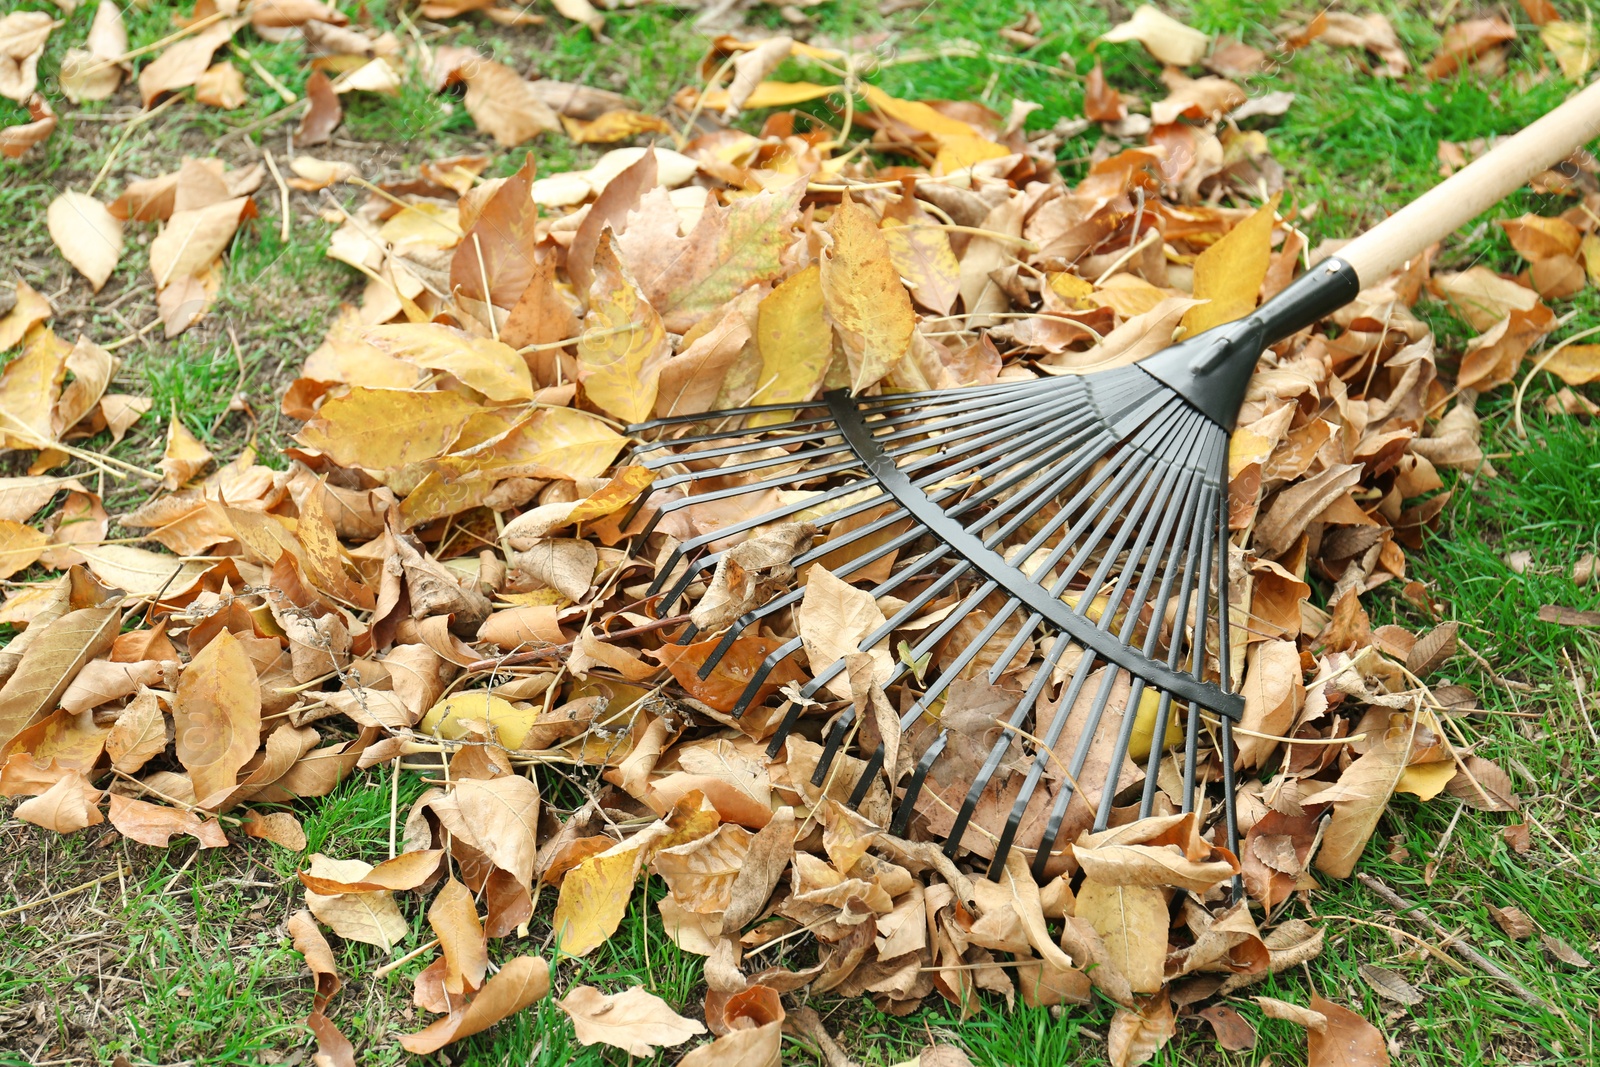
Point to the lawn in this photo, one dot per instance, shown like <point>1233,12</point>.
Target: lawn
<point>181,956</point>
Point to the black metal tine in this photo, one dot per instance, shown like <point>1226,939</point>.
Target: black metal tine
<point>1178,554</point>
<point>838,491</point>
<point>998,750</point>
<point>678,450</point>
<point>1225,682</point>
<point>1069,699</point>
<point>974,415</point>
<point>902,814</point>
<point>931,640</point>
<point>1197,646</point>
<point>1081,461</point>
<point>1102,699</point>
<point>1129,627</point>
<point>1128,516</point>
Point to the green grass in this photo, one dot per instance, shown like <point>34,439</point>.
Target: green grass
<point>1354,145</point>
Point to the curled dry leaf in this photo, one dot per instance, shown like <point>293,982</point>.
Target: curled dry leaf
<point>516,985</point>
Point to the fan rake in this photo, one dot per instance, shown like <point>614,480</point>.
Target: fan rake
<point>1066,536</point>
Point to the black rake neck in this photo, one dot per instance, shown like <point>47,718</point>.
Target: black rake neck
<point>1212,370</point>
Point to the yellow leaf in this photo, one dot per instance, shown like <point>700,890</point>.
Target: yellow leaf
<point>1576,364</point>
<point>1132,920</point>
<point>768,94</point>
<point>1426,780</point>
<point>1573,45</point>
<point>864,297</point>
<point>795,342</point>
<point>1230,272</point>
<point>20,546</point>
<point>383,428</point>
<point>624,344</point>
<point>28,389</point>
<point>1591,257</point>
<point>1166,38</point>
<point>216,715</point>
<point>456,716</point>
<point>918,116</point>
<point>959,153</point>
<point>492,368</point>
<point>613,126</point>
<point>594,898</point>
<point>424,225</point>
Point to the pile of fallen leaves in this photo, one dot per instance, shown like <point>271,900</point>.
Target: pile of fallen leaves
<point>451,572</point>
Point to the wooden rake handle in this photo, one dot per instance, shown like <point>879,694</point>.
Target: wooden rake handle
<point>1475,188</point>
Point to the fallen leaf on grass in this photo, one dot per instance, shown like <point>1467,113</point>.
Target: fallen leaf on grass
<point>222,86</point>
<point>15,140</point>
<point>1514,922</point>
<point>1390,985</point>
<point>613,126</point>
<point>92,73</point>
<point>1166,38</point>
<point>87,235</point>
<point>371,917</point>
<point>518,984</point>
<point>503,105</point>
<point>183,63</point>
<point>67,806</point>
<point>1466,41</point>
<point>1136,1037</point>
<point>23,35</point>
<point>454,918</point>
<point>1574,46</point>
<point>155,824</point>
<point>216,712</point>
<point>325,113</point>
<point>1347,1040</point>
<point>636,1021</point>
<point>1557,948</point>
<point>1233,1032</point>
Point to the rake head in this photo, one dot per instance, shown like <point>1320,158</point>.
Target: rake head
<point>1052,553</point>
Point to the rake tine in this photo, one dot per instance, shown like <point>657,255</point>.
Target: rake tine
<point>902,815</point>
<point>834,493</point>
<point>1002,745</point>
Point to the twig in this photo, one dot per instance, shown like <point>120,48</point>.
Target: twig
<point>1577,689</point>
<point>53,897</point>
<point>261,72</point>
<point>134,124</point>
<point>193,27</point>
<point>283,191</point>
<point>1150,237</point>
<point>1459,944</point>
<point>403,960</point>
<point>1522,390</point>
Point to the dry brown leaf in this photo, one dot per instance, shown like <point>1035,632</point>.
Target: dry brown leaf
<point>1348,1040</point>
<point>636,1021</point>
<point>87,235</point>
<point>216,713</point>
<point>221,86</point>
<point>1166,38</point>
<point>1514,922</point>
<point>516,985</point>
<point>454,918</point>
<point>1136,1037</point>
<point>372,917</point>
<point>833,618</point>
<point>67,806</point>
